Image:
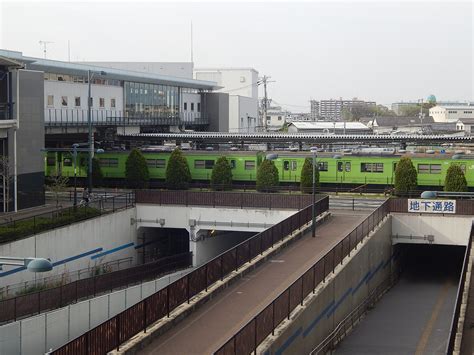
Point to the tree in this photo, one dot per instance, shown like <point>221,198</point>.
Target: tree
<point>97,175</point>
<point>178,175</point>
<point>221,177</point>
<point>5,173</point>
<point>306,181</point>
<point>136,170</point>
<point>405,176</point>
<point>267,176</point>
<point>455,180</point>
<point>57,184</point>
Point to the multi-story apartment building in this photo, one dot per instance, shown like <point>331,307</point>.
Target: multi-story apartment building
<point>332,109</point>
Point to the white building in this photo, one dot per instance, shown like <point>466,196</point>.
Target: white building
<point>242,86</point>
<point>466,125</point>
<point>451,113</point>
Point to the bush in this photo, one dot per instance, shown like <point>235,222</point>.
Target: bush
<point>306,183</point>
<point>178,175</point>
<point>405,176</point>
<point>97,176</point>
<point>455,180</point>
<point>267,176</point>
<point>221,177</point>
<point>136,170</point>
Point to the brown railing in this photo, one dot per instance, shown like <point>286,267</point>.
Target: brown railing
<point>110,334</point>
<point>224,199</point>
<point>463,207</point>
<point>247,339</point>
<point>461,286</point>
<point>30,304</point>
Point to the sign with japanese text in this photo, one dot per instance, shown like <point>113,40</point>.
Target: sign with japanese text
<point>431,206</point>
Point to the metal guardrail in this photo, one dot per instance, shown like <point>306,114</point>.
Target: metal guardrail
<point>247,339</point>
<point>224,199</point>
<point>459,295</point>
<point>23,227</point>
<point>110,334</point>
<point>38,302</point>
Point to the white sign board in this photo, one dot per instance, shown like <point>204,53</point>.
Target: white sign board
<point>431,206</point>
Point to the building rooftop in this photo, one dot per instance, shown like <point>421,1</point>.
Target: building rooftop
<point>397,121</point>
<point>318,125</point>
<point>60,67</point>
<point>467,120</point>
<point>453,107</point>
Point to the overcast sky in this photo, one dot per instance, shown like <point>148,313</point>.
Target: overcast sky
<point>385,52</point>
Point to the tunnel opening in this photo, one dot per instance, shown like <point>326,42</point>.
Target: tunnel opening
<point>415,315</point>
<point>158,243</point>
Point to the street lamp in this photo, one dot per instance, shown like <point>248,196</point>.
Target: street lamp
<point>90,76</point>
<point>31,264</point>
<point>313,212</point>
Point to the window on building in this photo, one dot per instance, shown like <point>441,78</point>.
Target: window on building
<point>108,162</point>
<point>199,107</point>
<point>192,106</point>
<point>101,102</point>
<point>112,103</point>
<point>371,167</point>
<point>185,106</point>
<point>64,101</point>
<point>279,118</point>
<point>50,100</point>
<point>77,101</point>
<point>91,101</point>
<point>242,79</point>
<point>323,166</point>
<point>249,165</point>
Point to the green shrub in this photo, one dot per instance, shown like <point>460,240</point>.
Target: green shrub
<point>455,180</point>
<point>221,177</point>
<point>178,175</point>
<point>405,176</point>
<point>136,170</point>
<point>267,176</point>
<point>23,228</point>
<point>306,183</point>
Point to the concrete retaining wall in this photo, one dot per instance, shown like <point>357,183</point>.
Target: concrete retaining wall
<point>336,298</point>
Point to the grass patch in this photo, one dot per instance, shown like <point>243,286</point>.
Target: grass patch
<point>22,228</point>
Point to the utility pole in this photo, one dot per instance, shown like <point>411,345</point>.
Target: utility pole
<point>44,44</point>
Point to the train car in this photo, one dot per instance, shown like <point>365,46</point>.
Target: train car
<point>353,170</point>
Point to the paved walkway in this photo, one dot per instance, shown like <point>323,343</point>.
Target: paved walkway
<point>209,327</point>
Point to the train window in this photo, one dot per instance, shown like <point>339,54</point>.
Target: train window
<point>249,165</point>
<point>232,164</point>
<point>348,166</point>
<point>293,165</point>
<point>286,165</point>
<point>199,164</point>
<point>156,163</point>
<point>108,162</point>
<point>67,162</point>
<point>209,164</point>
<point>50,161</point>
<point>339,166</point>
<point>323,166</point>
<point>423,168</point>
<point>435,169</point>
<point>371,167</point>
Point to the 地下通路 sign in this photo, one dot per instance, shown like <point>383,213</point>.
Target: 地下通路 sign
<point>431,206</point>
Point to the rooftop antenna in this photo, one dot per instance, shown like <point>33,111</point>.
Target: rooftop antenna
<point>192,59</point>
<point>44,44</point>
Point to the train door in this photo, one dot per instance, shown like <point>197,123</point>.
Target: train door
<point>343,168</point>
<point>290,167</point>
